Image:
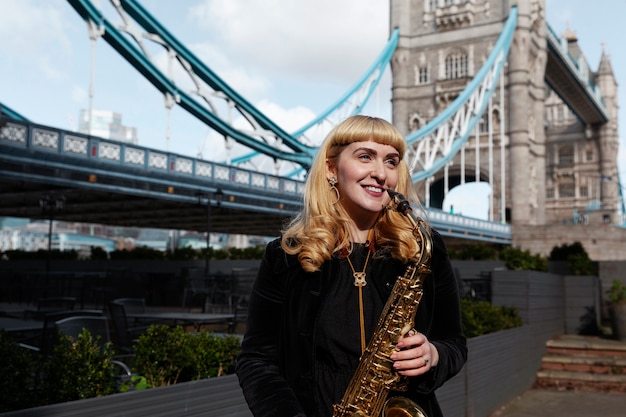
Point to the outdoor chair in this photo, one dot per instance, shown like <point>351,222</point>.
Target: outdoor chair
<point>132,305</point>
<point>99,329</point>
<point>125,335</point>
<point>43,344</point>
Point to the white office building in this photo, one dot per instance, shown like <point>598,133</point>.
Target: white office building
<point>106,124</point>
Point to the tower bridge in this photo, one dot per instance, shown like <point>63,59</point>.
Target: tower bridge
<point>484,92</point>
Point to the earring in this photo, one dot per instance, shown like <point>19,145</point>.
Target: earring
<point>333,187</point>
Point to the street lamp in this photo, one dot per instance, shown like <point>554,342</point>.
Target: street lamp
<point>50,206</point>
<point>218,195</point>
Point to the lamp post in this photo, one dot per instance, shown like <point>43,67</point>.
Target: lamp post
<point>218,195</point>
<point>50,206</point>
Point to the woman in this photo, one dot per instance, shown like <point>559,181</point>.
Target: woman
<point>322,285</point>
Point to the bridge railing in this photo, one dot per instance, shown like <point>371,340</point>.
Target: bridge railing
<point>455,225</point>
<point>178,176</point>
<point>81,147</point>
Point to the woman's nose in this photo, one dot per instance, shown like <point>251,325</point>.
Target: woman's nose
<point>379,172</point>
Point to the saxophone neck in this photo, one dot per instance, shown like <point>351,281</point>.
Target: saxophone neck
<point>400,204</point>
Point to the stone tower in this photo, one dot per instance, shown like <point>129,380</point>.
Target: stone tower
<point>551,158</point>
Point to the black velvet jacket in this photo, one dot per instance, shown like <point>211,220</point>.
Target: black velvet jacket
<point>276,364</point>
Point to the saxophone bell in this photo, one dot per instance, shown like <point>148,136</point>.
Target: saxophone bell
<point>402,407</point>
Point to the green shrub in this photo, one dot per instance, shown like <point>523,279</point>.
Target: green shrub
<point>580,264</point>
<point>168,355</point>
<point>476,252</point>
<point>578,260</point>
<point>517,259</point>
<point>78,369</point>
<point>213,355</point>
<point>141,252</point>
<point>17,382</point>
<point>562,253</point>
<point>481,317</point>
<point>98,253</point>
<point>19,254</point>
<point>183,254</point>
<point>617,292</point>
<point>161,355</point>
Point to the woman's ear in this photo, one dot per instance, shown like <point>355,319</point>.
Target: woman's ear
<point>331,170</point>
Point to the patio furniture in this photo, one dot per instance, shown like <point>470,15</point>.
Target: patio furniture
<point>99,329</point>
<point>125,335</point>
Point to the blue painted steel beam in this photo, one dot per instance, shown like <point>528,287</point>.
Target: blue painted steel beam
<point>137,59</point>
<point>501,48</point>
<point>148,22</point>
<point>382,60</point>
<point>9,112</point>
<point>585,87</point>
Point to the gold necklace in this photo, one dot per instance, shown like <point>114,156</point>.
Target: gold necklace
<point>359,277</point>
<point>360,282</point>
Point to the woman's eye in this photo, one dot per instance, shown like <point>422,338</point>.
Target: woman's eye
<point>393,162</point>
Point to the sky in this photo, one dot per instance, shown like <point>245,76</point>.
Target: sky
<point>291,59</point>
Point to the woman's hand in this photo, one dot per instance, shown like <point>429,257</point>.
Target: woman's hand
<point>415,355</point>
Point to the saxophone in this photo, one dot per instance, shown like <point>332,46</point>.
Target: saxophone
<point>366,395</point>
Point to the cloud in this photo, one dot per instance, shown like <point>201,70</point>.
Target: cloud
<point>79,95</point>
<point>471,200</point>
<point>34,28</point>
<point>289,119</point>
<point>313,39</point>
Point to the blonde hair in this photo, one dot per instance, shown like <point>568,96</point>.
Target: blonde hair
<point>321,228</point>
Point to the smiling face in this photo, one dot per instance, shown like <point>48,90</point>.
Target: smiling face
<point>364,171</point>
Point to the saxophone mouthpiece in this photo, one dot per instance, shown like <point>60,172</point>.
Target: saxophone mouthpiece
<point>402,205</point>
<point>392,193</point>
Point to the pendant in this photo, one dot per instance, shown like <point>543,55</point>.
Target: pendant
<point>359,279</point>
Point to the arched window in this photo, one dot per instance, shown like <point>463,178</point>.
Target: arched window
<point>415,122</point>
<point>566,154</point>
<point>456,65</point>
<point>483,124</point>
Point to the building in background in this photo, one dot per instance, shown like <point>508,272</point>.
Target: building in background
<point>108,125</point>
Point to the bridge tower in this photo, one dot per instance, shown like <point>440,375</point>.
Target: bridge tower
<point>557,168</point>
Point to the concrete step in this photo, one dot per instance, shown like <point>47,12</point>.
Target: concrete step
<point>566,380</point>
<point>586,345</point>
<point>583,363</point>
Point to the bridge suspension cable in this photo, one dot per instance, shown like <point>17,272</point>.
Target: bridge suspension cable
<point>435,144</point>
<point>206,96</point>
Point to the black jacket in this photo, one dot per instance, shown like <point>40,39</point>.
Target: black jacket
<point>275,367</point>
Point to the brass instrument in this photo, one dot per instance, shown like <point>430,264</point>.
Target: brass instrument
<point>366,395</point>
